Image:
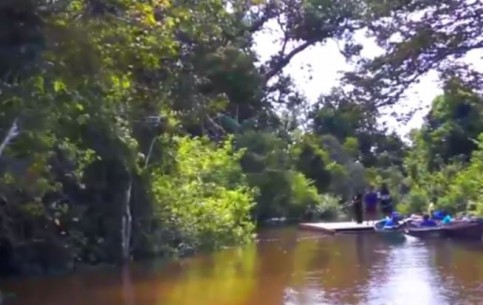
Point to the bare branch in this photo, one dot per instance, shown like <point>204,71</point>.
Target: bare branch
<point>11,134</point>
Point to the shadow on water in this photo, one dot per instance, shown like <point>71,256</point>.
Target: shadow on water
<point>284,267</point>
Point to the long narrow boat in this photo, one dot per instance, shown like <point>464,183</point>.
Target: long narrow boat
<point>423,232</point>
<point>464,230</point>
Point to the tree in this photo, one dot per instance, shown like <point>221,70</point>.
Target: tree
<point>338,115</point>
<point>86,107</point>
<point>451,127</point>
<point>417,37</point>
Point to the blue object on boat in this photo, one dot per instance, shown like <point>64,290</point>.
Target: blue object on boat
<point>428,223</point>
<point>393,221</point>
<point>447,219</point>
<point>389,223</point>
<point>385,225</point>
<point>439,215</point>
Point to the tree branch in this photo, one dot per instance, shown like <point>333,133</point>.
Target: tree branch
<point>283,61</point>
<point>268,12</point>
<point>11,134</point>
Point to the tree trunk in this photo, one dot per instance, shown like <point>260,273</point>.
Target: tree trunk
<point>126,223</point>
<point>118,217</point>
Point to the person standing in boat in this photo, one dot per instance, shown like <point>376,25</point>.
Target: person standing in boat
<point>386,200</point>
<point>370,202</point>
<point>357,206</point>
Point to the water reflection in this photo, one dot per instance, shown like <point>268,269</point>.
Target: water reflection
<point>285,267</point>
<point>402,277</point>
<point>127,286</point>
<point>360,250</point>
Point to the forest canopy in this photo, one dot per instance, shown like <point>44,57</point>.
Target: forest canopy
<point>134,128</point>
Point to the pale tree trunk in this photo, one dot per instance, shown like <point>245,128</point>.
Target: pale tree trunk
<point>126,222</point>
<point>118,218</point>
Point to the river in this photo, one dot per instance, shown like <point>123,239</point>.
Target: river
<point>285,267</point>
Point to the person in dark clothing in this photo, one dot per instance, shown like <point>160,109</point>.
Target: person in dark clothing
<point>427,222</point>
<point>357,205</point>
<point>386,200</point>
<point>370,202</point>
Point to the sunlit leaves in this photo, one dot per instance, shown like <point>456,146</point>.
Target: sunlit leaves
<point>59,86</point>
<point>444,160</point>
<point>205,197</point>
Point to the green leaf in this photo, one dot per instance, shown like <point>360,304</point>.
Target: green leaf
<point>59,86</point>
<point>79,107</point>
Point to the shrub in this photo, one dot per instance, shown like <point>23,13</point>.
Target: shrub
<point>328,207</point>
<point>415,202</point>
<point>303,194</point>
<point>200,204</point>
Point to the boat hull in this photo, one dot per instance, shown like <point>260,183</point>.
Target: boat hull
<point>464,230</point>
<point>424,232</point>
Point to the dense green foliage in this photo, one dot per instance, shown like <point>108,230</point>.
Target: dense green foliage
<point>443,163</point>
<point>136,128</point>
<point>204,201</point>
<point>147,128</point>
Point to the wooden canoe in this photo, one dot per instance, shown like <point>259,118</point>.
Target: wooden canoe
<point>464,230</point>
<point>423,232</point>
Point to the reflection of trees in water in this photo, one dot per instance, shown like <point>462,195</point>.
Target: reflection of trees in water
<point>460,265</point>
<point>371,255</point>
<point>127,288</point>
<point>232,279</point>
<point>346,269</point>
<point>360,250</point>
<point>256,274</point>
<point>291,278</point>
<point>310,269</point>
<point>334,269</point>
<point>100,286</point>
<point>275,267</point>
<point>406,275</point>
<point>291,268</point>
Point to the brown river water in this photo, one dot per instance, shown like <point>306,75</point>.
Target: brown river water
<point>285,267</point>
